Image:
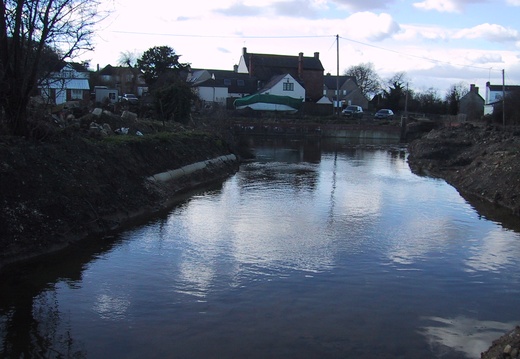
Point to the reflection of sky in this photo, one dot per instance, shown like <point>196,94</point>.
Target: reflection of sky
<point>466,335</point>
<point>359,222</point>
<point>498,249</point>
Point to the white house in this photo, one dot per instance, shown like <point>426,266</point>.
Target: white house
<point>284,85</point>
<point>70,83</point>
<point>283,93</point>
<point>220,86</point>
<point>494,94</point>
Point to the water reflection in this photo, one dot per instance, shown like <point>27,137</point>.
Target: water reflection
<point>466,335</point>
<point>318,249</point>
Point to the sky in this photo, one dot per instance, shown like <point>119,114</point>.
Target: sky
<point>436,43</point>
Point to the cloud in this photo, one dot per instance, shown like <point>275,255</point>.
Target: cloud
<point>513,2</point>
<point>490,32</point>
<point>289,8</point>
<point>438,5</point>
<point>364,5</point>
<point>296,8</point>
<point>447,5</point>
<point>380,26</point>
<point>241,10</point>
<point>486,58</point>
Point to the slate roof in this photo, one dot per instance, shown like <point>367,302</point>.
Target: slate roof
<point>508,88</point>
<point>330,81</point>
<point>266,66</point>
<point>283,61</point>
<point>234,81</point>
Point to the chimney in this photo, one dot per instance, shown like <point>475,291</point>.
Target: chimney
<point>251,72</point>
<point>244,51</point>
<point>300,65</point>
<point>235,68</point>
<point>317,55</point>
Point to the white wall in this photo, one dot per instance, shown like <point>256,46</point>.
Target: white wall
<point>278,89</point>
<point>213,94</point>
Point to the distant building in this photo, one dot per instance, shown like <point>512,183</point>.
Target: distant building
<point>123,78</point>
<point>69,82</point>
<point>472,104</point>
<point>494,95</point>
<point>349,91</point>
<point>308,71</point>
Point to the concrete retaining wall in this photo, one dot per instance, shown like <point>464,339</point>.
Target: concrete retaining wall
<point>191,168</point>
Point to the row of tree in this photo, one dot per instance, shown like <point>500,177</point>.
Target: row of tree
<point>396,94</point>
<point>37,36</point>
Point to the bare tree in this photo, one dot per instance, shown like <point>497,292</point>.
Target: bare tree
<point>366,78</point>
<point>453,96</point>
<point>28,30</point>
<point>128,58</point>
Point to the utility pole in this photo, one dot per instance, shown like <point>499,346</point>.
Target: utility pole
<point>337,75</point>
<point>503,98</point>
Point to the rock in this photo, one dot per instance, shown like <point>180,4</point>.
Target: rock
<point>129,116</point>
<point>97,111</point>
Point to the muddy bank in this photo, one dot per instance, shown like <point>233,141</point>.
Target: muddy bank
<point>483,162</point>
<point>58,192</point>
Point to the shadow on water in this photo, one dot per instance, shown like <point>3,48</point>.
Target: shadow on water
<point>31,323</point>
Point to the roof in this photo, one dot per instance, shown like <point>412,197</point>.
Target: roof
<point>275,80</point>
<point>71,84</point>
<point>330,80</point>
<point>235,82</point>
<point>285,61</point>
<point>265,66</point>
<point>500,87</point>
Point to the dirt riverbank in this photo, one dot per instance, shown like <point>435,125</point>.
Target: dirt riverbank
<point>483,163</point>
<point>82,183</point>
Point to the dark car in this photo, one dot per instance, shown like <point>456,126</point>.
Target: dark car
<point>384,114</point>
<point>130,98</point>
<point>353,111</point>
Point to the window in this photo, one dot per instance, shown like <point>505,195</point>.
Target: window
<point>227,82</point>
<point>240,83</point>
<point>288,86</point>
<point>76,94</point>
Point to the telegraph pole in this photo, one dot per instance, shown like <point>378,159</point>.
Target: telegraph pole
<point>337,75</point>
<point>503,98</point>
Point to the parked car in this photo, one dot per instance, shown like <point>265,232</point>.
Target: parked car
<point>353,111</point>
<point>384,114</point>
<point>130,98</point>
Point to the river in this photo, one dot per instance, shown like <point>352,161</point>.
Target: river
<point>316,249</point>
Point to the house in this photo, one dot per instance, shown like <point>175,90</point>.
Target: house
<point>282,93</point>
<point>494,95</point>
<point>123,78</point>
<point>284,85</point>
<point>70,82</point>
<point>308,71</point>
<point>349,91</point>
<point>472,104</point>
<point>220,86</point>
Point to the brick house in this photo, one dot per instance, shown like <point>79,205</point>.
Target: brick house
<point>308,71</point>
<point>472,104</point>
<point>349,91</point>
<point>123,78</point>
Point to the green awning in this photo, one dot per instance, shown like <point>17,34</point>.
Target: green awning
<point>268,99</point>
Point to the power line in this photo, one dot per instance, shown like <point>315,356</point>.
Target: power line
<point>221,36</point>
<point>301,37</point>
<point>416,56</point>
